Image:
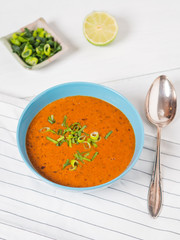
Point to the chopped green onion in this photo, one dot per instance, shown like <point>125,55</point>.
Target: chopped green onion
<point>75,126</point>
<point>89,140</point>
<point>66,163</point>
<point>42,33</point>
<point>47,35</point>
<point>31,61</point>
<point>87,159</point>
<point>52,140</point>
<point>47,49</point>
<point>51,119</point>
<point>87,145</point>
<point>52,131</point>
<point>15,35</point>
<point>108,134</point>
<point>74,164</point>
<point>39,30</point>
<point>87,134</point>
<point>35,33</point>
<point>87,154</point>
<point>94,144</point>
<point>26,53</point>
<point>70,136</point>
<point>39,41</point>
<point>96,153</point>
<point>80,130</point>
<point>59,132</point>
<point>39,50</point>
<point>79,133</point>
<point>47,129</point>
<point>70,143</point>
<point>15,42</point>
<point>79,156</point>
<point>64,121</point>
<point>66,130</point>
<point>21,39</point>
<point>60,139</point>
<point>60,142</point>
<point>98,139</point>
<point>94,136</point>
<point>81,139</point>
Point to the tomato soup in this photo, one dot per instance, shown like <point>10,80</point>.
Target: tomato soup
<point>99,133</point>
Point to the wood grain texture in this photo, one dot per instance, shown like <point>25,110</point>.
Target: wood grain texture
<point>148,41</point>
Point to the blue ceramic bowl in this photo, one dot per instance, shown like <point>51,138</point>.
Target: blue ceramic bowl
<point>84,89</point>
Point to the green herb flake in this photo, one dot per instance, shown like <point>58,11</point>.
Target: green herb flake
<point>70,143</point>
<point>60,139</point>
<point>86,155</point>
<point>66,164</point>
<point>59,132</point>
<point>81,130</point>
<point>64,124</point>
<point>96,153</point>
<point>108,134</point>
<point>51,119</point>
<point>52,140</point>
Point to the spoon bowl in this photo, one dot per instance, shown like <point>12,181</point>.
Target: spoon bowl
<point>161,104</point>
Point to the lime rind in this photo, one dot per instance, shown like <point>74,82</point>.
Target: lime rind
<point>108,17</point>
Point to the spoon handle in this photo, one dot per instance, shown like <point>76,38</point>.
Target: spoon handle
<point>155,192</point>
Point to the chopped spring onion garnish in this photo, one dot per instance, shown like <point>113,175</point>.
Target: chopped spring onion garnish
<point>94,136</point>
<point>96,153</point>
<point>66,163</point>
<point>74,164</point>
<point>44,129</point>
<point>51,119</point>
<point>82,157</point>
<point>94,144</point>
<point>82,128</point>
<point>87,154</point>
<point>75,126</point>
<point>52,140</point>
<point>59,132</point>
<point>47,129</point>
<point>74,135</point>
<point>81,139</point>
<point>86,159</point>
<point>87,145</point>
<point>79,157</point>
<point>108,134</point>
<point>64,124</point>
<point>60,139</point>
<point>70,143</point>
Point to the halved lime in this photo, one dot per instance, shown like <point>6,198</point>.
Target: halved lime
<point>100,28</point>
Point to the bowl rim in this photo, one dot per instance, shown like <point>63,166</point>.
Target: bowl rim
<point>80,189</point>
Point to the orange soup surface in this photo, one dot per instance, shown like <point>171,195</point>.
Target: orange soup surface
<point>113,154</point>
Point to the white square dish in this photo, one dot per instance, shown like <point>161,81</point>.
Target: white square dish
<point>39,23</point>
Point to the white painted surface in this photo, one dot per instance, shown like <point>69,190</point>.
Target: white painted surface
<point>148,41</point>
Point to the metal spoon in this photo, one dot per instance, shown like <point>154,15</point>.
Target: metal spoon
<point>161,106</point>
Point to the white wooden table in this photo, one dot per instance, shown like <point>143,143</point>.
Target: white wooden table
<point>147,42</point>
